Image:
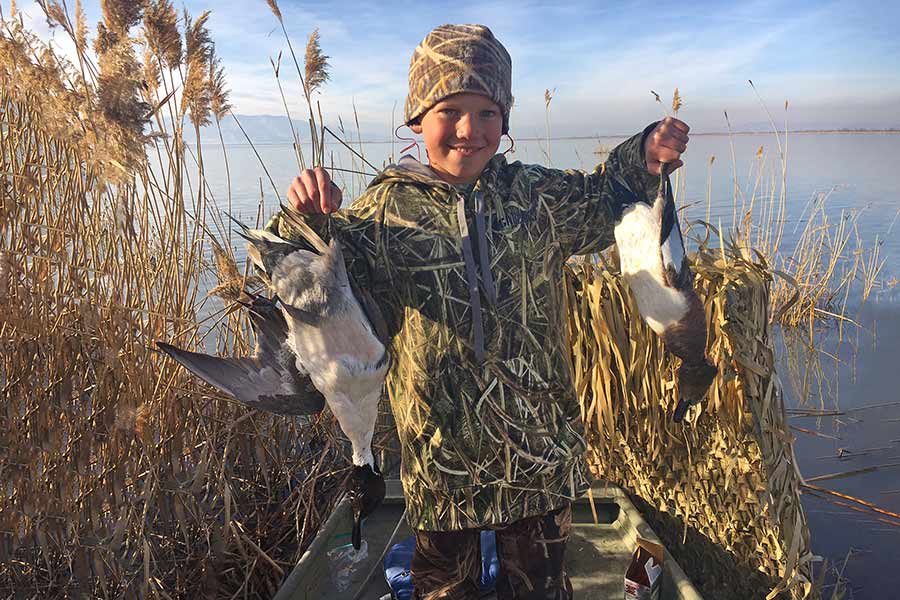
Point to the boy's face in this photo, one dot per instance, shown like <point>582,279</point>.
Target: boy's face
<point>462,132</point>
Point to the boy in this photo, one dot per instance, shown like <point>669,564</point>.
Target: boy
<point>465,257</point>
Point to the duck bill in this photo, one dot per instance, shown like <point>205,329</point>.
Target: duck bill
<point>366,493</point>
<point>356,535</point>
<point>681,410</point>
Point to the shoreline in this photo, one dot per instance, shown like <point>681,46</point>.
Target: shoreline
<point>615,137</point>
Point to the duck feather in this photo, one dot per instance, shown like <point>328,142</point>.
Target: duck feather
<point>270,379</point>
<point>660,278</point>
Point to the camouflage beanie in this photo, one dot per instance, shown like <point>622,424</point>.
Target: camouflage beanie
<point>459,58</point>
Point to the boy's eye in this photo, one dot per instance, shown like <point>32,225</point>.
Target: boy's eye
<point>450,112</point>
<point>488,114</point>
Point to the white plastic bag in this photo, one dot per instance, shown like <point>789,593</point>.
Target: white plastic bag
<point>343,561</point>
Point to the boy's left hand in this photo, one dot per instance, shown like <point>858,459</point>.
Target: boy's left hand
<point>665,144</point>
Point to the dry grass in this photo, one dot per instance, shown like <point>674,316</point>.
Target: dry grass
<point>124,477</point>
<point>817,278</point>
<point>128,478</point>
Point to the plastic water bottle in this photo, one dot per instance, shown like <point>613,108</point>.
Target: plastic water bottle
<point>344,561</point>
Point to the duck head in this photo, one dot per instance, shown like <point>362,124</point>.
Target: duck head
<point>694,380</point>
<point>366,491</point>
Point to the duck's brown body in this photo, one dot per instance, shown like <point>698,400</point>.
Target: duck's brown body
<point>654,264</point>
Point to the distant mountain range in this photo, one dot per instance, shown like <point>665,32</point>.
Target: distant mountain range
<point>262,129</point>
<point>272,129</point>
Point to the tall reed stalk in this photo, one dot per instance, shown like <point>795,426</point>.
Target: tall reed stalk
<point>125,477</point>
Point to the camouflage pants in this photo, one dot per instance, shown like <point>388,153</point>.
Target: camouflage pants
<point>446,565</point>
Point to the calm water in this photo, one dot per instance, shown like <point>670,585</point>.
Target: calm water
<point>853,174</point>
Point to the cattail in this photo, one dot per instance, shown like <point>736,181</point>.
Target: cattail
<point>151,76</point>
<point>315,64</point>
<point>548,96</point>
<point>676,101</point>
<point>161,32</point>
<point>274,6</point>
<point>218,92</point>
<point>12,8</point>
<point>80,28</point>
<point>120,15</point>
<point>198,51</point>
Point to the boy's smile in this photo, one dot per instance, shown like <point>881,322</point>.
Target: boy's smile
<point>462,132</point>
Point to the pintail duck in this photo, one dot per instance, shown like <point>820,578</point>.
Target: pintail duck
<point>658,274</point>
<point>319,347</point>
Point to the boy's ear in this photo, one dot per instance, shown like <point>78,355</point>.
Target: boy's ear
<point>416,128</point>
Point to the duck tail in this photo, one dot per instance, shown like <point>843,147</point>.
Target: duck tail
<point>266,249</point>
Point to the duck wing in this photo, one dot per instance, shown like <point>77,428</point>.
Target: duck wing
<point>269,380</point>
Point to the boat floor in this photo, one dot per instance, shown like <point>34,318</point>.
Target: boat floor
<point>597,555</point>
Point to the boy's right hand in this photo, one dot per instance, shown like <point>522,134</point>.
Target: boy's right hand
<point>313,192</point>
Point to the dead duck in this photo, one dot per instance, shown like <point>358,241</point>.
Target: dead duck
<point>656,269</point>
<point>319,347</point>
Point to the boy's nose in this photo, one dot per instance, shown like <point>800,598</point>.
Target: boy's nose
<point>465,126</point>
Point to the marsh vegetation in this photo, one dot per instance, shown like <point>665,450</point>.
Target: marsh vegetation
<point>124,476</point>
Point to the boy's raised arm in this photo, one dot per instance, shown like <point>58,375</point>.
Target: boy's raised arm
<point>583,208</point>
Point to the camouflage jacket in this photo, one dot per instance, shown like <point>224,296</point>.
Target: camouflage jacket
<point>487,438</point>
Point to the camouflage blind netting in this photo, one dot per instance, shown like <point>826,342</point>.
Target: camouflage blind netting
<point>723,489</point>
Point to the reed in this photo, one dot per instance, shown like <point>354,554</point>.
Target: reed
<point>548,98</point>
<point>128,478</point>
<point>815,279</point>
<point>124,476</point>
<point>316,70</point>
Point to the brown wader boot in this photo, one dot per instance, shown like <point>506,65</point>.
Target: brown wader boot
<point>446,565</point>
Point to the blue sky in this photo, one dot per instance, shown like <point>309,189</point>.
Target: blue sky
<point>837,63</point>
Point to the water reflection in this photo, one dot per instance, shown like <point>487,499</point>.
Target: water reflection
<point>841,392</point>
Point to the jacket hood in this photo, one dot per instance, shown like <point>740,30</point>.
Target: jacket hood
<point>410,170</point>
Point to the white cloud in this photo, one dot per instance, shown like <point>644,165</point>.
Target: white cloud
<point>602,61</point>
